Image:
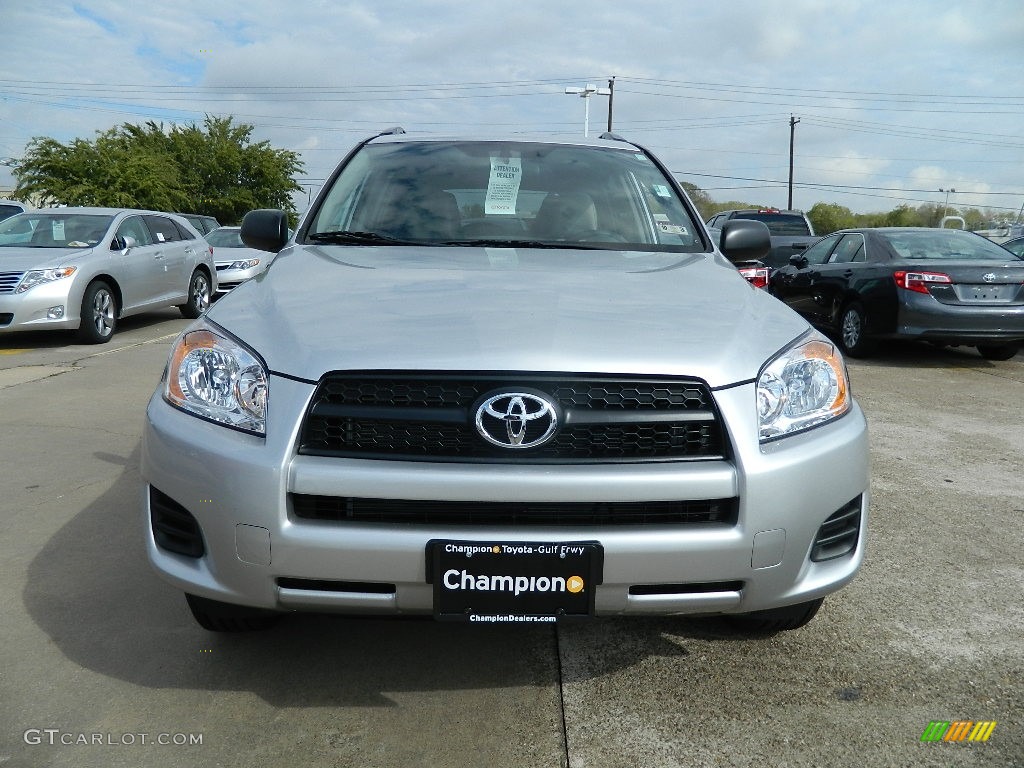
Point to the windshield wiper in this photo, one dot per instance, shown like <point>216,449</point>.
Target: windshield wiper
<point>484,243</point>
<point>362,238</point>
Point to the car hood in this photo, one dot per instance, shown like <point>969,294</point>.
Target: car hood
<point>318,309</point>
<point>22,259</point>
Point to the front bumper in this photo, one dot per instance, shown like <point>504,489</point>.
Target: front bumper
<point>256,552</point>
<point>33,310</point>
<point>228,279</point>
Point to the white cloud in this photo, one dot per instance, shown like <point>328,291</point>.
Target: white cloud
<point>710,87</point>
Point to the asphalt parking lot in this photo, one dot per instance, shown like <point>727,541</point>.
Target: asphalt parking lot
<point>102,662</point>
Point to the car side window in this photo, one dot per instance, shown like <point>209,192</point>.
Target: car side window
<point>818,253</point>
<point>183,233</point>
<point>850,249</point>
<point>135,228</point>
<point>164,230</point>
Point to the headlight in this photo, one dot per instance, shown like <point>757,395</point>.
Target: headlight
<point>216,378</point>
<point>805,386</point>
<point>245,264</point>
<point>39,276</point>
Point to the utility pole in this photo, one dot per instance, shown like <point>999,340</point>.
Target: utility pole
<point>585,94</point>
<point>792,132</point>
<point>945,206</point>
<point>611,98</point>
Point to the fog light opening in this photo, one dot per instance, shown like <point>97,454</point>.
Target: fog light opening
<point>55,313</point>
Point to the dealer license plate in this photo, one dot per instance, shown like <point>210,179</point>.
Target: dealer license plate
<point>513,581</point>
<point>996,293</point>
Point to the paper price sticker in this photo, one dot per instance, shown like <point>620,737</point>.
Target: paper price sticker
<point>503,186</point>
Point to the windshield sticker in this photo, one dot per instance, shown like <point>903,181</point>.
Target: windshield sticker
<point>503,185</point>
<point>661,190</point>
<point>672,229</point>
<point>58,229</point>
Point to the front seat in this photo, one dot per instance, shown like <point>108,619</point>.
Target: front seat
<point>563,215</point>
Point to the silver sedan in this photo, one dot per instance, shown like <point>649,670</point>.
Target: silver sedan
<point>236,262</point>
<point>85,268</point>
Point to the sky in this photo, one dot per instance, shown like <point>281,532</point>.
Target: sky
<point>897,101</point>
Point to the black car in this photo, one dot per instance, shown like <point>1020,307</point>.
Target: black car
<point>944,286</point>
<point>1015,246</point>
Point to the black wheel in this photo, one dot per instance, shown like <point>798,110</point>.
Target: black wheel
<point>198,296</point>
<point>224,617</point>
<point>997,351</point>
<point>853,331</point>
<point>99,314</point>
<point>777,619</point>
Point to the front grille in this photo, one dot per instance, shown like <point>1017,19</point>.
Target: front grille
<point>174,527</point>
<point>838,535</point>
<point>431,417</point>
<point>698,588</point>
<point>9,281</point>
<point>484,513</point>
<point>324,585</point>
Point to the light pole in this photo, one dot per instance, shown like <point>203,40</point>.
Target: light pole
<point>585,94</point>
<point>945,206</point>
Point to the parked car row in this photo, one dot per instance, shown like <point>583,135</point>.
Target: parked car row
<point>85,269</point>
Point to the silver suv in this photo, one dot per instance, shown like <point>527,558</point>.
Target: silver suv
<point>86,268</point>
<point>503,381</point>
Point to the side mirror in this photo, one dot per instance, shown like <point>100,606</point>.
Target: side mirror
<point>265,229</point>
<point>745,240</point>
<point>122,243</point>
<point>798,260</point>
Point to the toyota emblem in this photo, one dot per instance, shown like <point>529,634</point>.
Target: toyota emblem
<point>516,420</point>
<point>989,278</point>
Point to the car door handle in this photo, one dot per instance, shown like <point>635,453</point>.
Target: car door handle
<point>848,273</point>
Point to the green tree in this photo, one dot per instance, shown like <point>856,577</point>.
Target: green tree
<point>902,216</point>
<point>701,199</point>
<point>829,217</point>
<point>213,169</point>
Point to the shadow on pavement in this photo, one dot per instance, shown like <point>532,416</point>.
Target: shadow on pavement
<point>92,591</point>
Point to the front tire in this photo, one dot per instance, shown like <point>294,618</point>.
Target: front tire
<point>998,351</point>
<point>216,616</point>
<point>198,296</point>
<point>777,619</point>
<point>853,326</point>
<point>99,314</point>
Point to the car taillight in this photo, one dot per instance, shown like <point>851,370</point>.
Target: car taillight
<point>756,276</point>
<point>919,281</point>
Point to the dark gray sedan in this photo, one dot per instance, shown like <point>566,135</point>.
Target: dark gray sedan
<point>1015,246</point>
<point>939,285</point>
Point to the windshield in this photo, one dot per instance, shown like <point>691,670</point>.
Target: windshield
<point>947,244</point>
<point>54,230</point>
<point>505,193</point>
<point>781,224</point>
<point>225,238</point>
